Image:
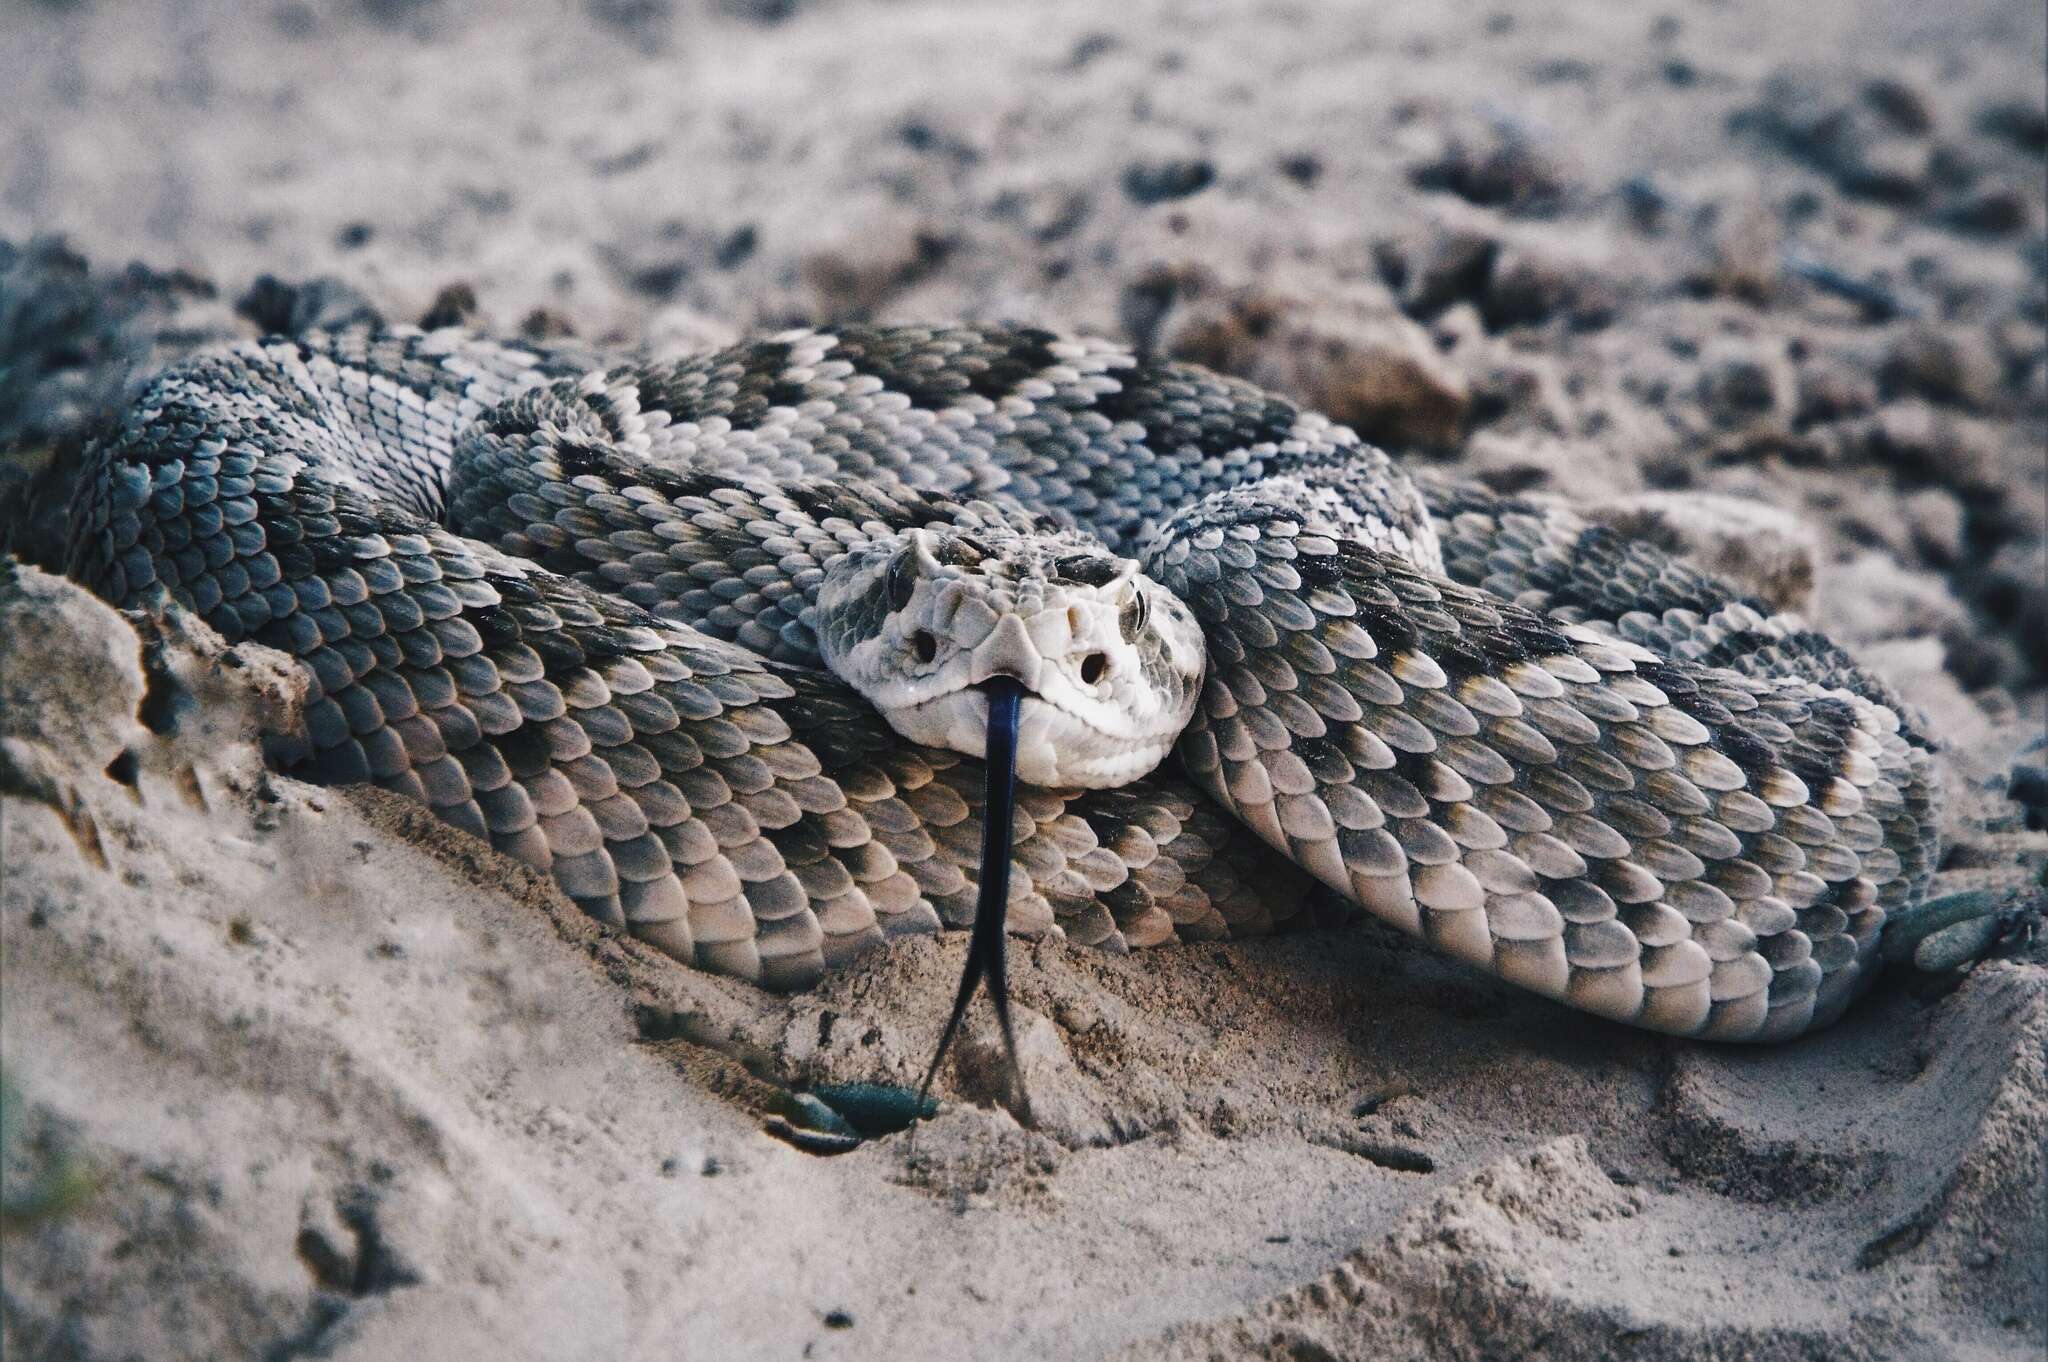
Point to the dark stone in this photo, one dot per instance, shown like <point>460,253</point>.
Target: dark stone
<point>1493,163</point>
<point>661,281</point>
<point>1090,46</point>
<point>738,245</point>
<point>454,305</point>
<point>1993,212</point>
<point>546,324</point>
<point>2023,125</point>
<point>1304,168</point>
<point>1160,181</point>
<point>322,304</point>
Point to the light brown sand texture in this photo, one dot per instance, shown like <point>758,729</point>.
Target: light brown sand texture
<point>300,1073</point>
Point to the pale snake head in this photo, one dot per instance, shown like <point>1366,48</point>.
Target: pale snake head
<point>1109,661</point>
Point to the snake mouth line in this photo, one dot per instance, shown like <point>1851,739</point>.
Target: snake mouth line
<point>1034,707</point>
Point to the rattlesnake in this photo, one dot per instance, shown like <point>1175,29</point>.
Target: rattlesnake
<point>715,641</point>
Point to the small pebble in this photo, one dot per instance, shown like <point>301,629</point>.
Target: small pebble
<point>1159,181</point>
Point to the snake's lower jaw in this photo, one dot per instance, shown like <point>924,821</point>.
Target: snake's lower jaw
<point>1055,749</point>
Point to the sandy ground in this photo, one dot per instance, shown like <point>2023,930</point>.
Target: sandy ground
<point>309,1076</point>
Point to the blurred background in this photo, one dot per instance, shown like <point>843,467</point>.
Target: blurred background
<point>1787,254</point>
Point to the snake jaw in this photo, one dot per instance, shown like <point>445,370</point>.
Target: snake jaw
<point>1054,751</point>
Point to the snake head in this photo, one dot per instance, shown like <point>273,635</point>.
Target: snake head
<point>1110,662</point>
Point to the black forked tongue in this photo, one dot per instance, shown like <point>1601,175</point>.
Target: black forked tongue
<point>985,945</point>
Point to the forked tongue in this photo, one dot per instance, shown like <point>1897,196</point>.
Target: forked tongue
<point>985,945</point>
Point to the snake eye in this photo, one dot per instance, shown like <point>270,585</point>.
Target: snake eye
<point>1093,668</point>
<point>1087,569</point>
<point>1132,617</point>
<point>961,551</point>
<point>902,580</point>
<point>923,646</point>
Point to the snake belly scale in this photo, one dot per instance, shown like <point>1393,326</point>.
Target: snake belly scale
<point>709,640</point>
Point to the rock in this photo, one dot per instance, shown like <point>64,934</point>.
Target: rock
<point>75,345</point>
<point>1748,387</point>
<point>1934,519</point>
<point>546,324</point>
<point>1439,268</point>
<point>1871,596</point>
<point>86,708</point>
<point>1830,389</point>
<point>1146,302</point>
<point>1738,242</point>
<point>764,12</point>
<point>2022,345</point>
<point>454,305</point>
<point>1905,106</point>
<point>1352,356</point>
<point>1510,462</point>
<point>736,247</point>
<point>660,261</point>
<point>1150,182</point>
<point>1530,285</point>
<point>1304,168</point>
<point>2022,123</point>
<point>1515,391</point>
<point>1492,161</point>
<point>1894,169</point>
<point>74,339</point>
<point>81,694</point>
<point>1049,210</point>
<point>2014,594</point>
<point>396,12</point>
<point>647,21</point>
<point>855,280</point>
<point>1460,332</point>
<point>1932,444</point>
<point>1765,551</point>
<point>2030,789</point>
<point>323,304</point>
<point>1995,211</point>
<point>1646,203</point>
<point>945,139</point>
<point>1943,364</point>
<point>1867,135</point>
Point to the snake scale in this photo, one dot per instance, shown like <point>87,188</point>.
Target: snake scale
<point>710,639</point>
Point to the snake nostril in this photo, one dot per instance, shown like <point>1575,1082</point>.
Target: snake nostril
<point>924,646</point>
<point>1094,667</point>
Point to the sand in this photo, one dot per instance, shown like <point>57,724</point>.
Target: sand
<point>305,1074</point>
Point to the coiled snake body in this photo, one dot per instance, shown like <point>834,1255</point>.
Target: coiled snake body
<point>711,641</point>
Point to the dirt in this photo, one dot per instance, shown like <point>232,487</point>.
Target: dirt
<point>305,1073</point>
